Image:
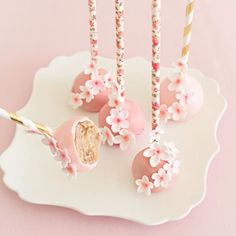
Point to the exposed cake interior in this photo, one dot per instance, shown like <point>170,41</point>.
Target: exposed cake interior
<point>87,142</point>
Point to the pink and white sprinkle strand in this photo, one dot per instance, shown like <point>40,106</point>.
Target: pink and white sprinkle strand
<point>93,31</point>
<point>120,49</point>
<point>156,5</point>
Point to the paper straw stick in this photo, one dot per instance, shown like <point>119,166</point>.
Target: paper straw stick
<point>156,5</point>
<point>93,31</point>
<point>187,30</point>
<point>120,70</point>
<point>37,127</point>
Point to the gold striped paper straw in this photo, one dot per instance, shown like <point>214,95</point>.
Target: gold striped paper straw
<point>187,30</point>
<point>34,126</point>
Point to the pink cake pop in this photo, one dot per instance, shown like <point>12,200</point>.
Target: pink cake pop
<point>88,91</point>
<point>154,167</point>
<point>181,92</point>
<point>81,138</point>
<point>75,144</point>
<point>183,95</point>
<point>120,113</point>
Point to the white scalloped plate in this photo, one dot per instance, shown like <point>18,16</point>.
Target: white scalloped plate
<point>109,190</point>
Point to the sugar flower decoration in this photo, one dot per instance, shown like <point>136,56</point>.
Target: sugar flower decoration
<point>117,120</point>
<point>144,185</point>
<point>107,80</point>
<point>75,100</point>
<point>70,170</point>
<point>86,93</point>
<point>62,155</point>
<point>156,153</point>
<point>181,65</point>
<point>114,100</point>
<point>176,83</point>
<point>107,136</point>
<point>52,143</point>
<point>161,178</point>
<point>89,69</point>
<point>184,97</point>
<point>171,149</point>
<point>164,114</point>
<point>177,111</point>
<point>172,167</point>
<point>124,139</point>
<point>95,84</point>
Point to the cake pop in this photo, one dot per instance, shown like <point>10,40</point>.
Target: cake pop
<point>120,114</point>
<point>154,167</point>
<point>75,144</point>
<point>88,90</point>
<point>181,92</point>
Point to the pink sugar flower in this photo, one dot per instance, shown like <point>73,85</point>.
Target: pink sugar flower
<point>164,114</point>
<point>176,83</point>
<point>177,111</point>
<point>124,139</point>
<point>52,143</point>
<point>107,136</point>
<point>161,178</point>
<point>86,93</point>
<point>117,120</point>
<point>156,153</point>
<point>144,185</point>
<point>75,100</point>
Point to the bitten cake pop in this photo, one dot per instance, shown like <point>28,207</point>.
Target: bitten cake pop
<point>122,117</point>
<point>154,167</point>
<point>88,90</point>
<point>75,144</point>
<point>181,94</point>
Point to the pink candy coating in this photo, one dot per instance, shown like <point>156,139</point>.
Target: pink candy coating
<point>141,167</point>
<point>136,118</point>
<point>190,85</point>
<point>65,136</point>
<point>99,100</point>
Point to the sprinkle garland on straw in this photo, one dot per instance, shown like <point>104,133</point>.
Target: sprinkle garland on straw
<point>155,63</point>
<point>119,7</point>
<point>187,30</point>
<point>93,31</point>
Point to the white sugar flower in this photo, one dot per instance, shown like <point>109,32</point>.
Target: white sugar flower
<point>176,83</point>
<point>181,65</point>
<point>107,136</point>
<point>52,143</point>
<point>114,100</point>
<point>91,68</point>
<point>171,149</point>
<point>161,178</point>
<point>63,156</point>
<point>95,84</point>
<point>144,185</point>
<point>172,167</point>
<point>184,97</point>
<point>107,80</point>
<point>177,111</point>
<point>70,170</point>
<point>75,100</point>
<point>124,139</point>
<point>117,120</point>
<point>164,114</point>
<point>86,93</point>
<point>156,153</point>
<point>156,133</point>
